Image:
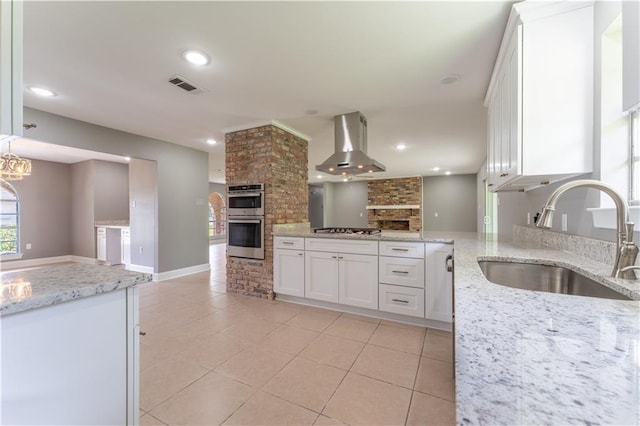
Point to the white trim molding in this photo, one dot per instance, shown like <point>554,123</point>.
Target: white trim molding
<point>605,217</point>
<point>267,123</point>
<point>139,268</point>
<point>167,275</point>
<point>35,262</point>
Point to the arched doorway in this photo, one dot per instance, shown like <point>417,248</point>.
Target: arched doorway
<point>217,217</point>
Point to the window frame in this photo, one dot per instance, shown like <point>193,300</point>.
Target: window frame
<point>18,253</point>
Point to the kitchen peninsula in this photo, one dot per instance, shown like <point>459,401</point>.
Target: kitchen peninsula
<point>70,345</point>
<point>529,357</point>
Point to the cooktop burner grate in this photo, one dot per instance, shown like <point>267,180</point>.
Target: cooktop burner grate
<point>357,231</point>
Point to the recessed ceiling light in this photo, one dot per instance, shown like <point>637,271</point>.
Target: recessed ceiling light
<point>370,171</point>
<point>330,169</point>
<point>211,141</point>
<point>319,176</point>
<point>344,173</point>
<point>311,112</point>
<point>449,79</point>
<point>345,180</point>
<point>196,57</point>
<point>127,158</point>
<point>360,166</point>
<point>447,173</point>
<point>40,91</point>
<point>400,146</point>
<point>436,169</point>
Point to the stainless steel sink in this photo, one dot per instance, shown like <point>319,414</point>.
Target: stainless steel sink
<point>552,279</point>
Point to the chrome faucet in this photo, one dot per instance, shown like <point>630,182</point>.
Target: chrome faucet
<point>626,250</point>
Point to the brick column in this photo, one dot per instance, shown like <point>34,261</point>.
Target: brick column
<point>279,159</point>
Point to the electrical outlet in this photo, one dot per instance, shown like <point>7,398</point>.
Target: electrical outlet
<point>140,250</point>
<point>27,246</point>
<point>564,222</point>
<point>528,218</point>
<point>133,204</point>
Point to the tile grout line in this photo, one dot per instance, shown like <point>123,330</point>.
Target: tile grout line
<point>415,377</point>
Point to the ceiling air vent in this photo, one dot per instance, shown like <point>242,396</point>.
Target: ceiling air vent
<point>182,83</point>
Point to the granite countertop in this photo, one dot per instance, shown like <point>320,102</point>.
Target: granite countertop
<point>429,237</point>
<point>36,288</point>
<point>525,357</point>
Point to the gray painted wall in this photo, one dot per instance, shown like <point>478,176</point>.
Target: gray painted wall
<point>220,188</point>
<point>328,213</point>
<point>83,238</point>
<point>111,187</point>
<point>45,210</point>
<point>316,206</point>
<point>348,202</point>
<point>143,217</point>
<point>182,182</point>
<point>453,198</point>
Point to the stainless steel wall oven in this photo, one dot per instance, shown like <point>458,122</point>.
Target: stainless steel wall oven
<point>245,200</point>
<point>245,221</point>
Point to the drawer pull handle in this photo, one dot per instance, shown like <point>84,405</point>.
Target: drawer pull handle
<point>504,174</point>
<point>399,249</point>
<point>400,300</point>
<point>300,254</point>
<point>289,243</point>
<point>400,272</point>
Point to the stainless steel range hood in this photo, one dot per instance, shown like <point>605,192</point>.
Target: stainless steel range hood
<point>350,157</point>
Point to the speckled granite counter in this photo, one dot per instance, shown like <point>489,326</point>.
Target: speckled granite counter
<point>525,357</point>
<point>36,288</point>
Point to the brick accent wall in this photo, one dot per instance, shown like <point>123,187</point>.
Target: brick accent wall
<point>399,192</point>
<point>279,159</point>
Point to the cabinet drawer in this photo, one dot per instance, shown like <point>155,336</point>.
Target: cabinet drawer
<point>401,271</point>
<point>401,300</point>
<point>125,232</point>
<point>296,243</point>
<point>101,231</point>
<point>341,246</point>
<point>402,249</point>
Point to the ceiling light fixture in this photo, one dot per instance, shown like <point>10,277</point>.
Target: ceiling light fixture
<point>13,167</point>
<point>211,141</point>
<point>447,173</point>
<point>401,147</point>
<point>196,57</point>
<point>127,158</point>
<point>319,176</point>
<point>41,91</point>
<point>436,169</point>
<point>449,79</point>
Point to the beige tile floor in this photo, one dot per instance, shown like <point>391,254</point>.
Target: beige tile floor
<point>210,358</point>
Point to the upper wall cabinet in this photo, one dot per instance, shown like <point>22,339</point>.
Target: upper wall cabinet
<point>10,68</point>
<point>540,97</point>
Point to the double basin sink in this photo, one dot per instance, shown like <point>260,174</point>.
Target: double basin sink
<point>551,279</point>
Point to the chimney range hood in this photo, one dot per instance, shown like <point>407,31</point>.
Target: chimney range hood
<point>350,156</point>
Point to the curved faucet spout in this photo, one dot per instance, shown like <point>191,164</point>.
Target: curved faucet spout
<point>626,250</point>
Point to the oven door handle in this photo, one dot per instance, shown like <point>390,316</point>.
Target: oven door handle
<point>246,194</point>
<point>244,221</point>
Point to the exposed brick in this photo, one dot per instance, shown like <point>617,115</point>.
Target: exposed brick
<point>278,159</point>
<point>399,191</point>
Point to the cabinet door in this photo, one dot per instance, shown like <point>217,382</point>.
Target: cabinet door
<point>321,276</point>
<point>288,272</point>
<point>101,244</point>
<point>513,71</point>
<point>439,283</point>
<point>358,280</point>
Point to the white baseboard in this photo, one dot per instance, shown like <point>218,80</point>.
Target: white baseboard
<point>162,276</point>
<point>82,259</point>
<point>39,261</point>
<point>139,268</point>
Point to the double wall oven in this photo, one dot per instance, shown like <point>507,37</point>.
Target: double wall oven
<point>245,221</point>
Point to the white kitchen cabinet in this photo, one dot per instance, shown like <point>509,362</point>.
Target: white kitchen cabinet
<point>438,282</point>
<point>540,97</point>
<point>342,271</point>
<point>321,276</point>
<point>125,246</point>
<point>73,363</point>
<point>401,271</point>
<point>11,17</point>
<point>101,244</point>
<point>288,266</point>
<point>401,300</point>
<point>109,245</point>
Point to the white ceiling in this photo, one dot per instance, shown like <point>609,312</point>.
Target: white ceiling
<point>109,63</point>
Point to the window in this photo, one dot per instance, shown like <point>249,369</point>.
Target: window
<point>9,220</point>
<point>634,157</point>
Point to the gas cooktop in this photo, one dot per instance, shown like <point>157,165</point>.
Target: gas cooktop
<point>356,231</point>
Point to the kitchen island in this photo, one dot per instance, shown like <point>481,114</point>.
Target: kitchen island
<point>527,357</point>
<point>70,345</point>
